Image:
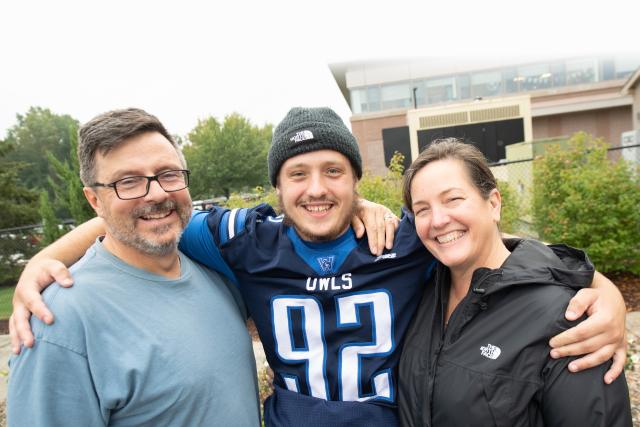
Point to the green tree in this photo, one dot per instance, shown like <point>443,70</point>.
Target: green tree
<point>66,184</point>
<point>228,157</point>
<point>583,199</point>
<point>35,133</point>
<point>17,202</point>
<point>51,228</point>
<point>18,205</point>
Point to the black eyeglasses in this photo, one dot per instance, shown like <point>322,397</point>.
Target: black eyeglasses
<point>135,187</point>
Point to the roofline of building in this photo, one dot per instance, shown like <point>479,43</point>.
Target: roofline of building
<point>339,71</point>
<point>632,82</point>
<point>578,105</point>
<point>542,104</point>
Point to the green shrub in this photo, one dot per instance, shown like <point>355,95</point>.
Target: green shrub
<point>511,208</point>
<point>386,190</point>
<point>582,199</point>
<point>260,195</point>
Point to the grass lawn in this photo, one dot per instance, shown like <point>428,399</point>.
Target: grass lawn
<point>6,293</point>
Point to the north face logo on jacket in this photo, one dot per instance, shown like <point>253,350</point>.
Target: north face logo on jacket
<point>490,351</point>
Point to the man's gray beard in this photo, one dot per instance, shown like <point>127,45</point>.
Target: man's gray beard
<point>145,246</point>
<point>308,235</point>
<point>126,233</point>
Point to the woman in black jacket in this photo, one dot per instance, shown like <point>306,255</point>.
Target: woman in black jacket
<point>477,351</point>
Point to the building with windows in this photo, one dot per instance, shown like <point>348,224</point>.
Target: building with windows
<point>402,105</point>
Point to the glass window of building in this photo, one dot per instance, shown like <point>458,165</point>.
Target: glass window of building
<point>510,80</point>
<point>463,86</point>
<point>486,84</point>
<point>373,98</point>
<point>558,75</point>
<point>625,66</point>
<point>607,69</point>
<point>421,97</point>
<point>533,77</point>
<point>358,100</point>
<point>396,96</point>
<point>441,90</point>
<point>579,71</point>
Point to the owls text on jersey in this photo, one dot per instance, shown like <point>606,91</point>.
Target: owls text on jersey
<point>331,316</point>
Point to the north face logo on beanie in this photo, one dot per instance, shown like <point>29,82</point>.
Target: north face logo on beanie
<point>303,135</point>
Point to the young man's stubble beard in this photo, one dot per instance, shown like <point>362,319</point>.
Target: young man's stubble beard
<point>334,233</point>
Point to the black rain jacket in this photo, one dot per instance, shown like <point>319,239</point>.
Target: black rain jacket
<point>490,366</point>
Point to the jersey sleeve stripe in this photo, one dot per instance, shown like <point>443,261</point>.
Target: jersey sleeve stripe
<point>240,220</point>
<point>231,227</point>
<point>222,229</point>
<point>197,242</point>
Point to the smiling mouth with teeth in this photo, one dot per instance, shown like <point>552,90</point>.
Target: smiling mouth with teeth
<point>322,208</point>
<point>156,216</point>
<point>450,237</point>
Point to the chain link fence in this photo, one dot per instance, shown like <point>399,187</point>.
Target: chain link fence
<point>519,175</point>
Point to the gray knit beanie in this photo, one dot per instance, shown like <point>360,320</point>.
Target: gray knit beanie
<point>311,129</point>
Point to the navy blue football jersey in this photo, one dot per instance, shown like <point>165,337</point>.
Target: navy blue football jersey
<point>331,316</point>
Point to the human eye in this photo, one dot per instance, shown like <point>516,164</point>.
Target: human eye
<point>296,174</point>
<point>422,211</point>
<point>333,171</point>
<point>171,176</point>
<point>129,182</point>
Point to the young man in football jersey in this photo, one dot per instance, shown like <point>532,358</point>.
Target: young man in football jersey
<point>331,315</point>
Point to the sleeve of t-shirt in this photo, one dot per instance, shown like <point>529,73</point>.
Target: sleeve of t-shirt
<point>198,240</point>
<point>51,385</point>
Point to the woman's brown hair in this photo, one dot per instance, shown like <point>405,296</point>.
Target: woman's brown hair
<point>452,148</point>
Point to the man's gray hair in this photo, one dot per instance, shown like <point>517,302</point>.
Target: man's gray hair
<point>107,131</point>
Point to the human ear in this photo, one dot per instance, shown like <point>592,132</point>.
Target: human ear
<point>94,201</point>
<point>495,201</point>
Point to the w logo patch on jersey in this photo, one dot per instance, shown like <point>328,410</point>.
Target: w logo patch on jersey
<point>326,263</point>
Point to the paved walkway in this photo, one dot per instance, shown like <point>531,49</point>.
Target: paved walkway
<point>5,353</point>
<point>633,324</point>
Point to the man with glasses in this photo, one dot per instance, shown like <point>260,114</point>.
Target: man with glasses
<point>146,336</point>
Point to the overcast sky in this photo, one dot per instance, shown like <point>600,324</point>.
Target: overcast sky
<point>186,60</point>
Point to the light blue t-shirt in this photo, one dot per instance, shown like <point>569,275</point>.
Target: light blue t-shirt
<point>130,348</point>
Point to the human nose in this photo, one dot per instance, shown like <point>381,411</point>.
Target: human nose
<point>439,217</point>
<point>156,192</point>
<point>317,187</point>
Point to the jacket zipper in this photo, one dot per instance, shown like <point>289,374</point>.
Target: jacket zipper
<point>445,331</point>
